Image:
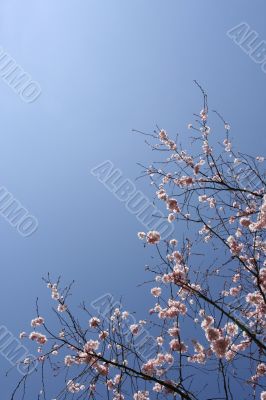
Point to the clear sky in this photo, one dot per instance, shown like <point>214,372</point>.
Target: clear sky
<point>106,67</point>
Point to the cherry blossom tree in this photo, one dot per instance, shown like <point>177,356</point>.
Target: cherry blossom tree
<point>208,284</point>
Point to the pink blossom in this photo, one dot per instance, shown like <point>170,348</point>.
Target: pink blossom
<point>153,237</point>
<point>22,335</point>
<point>173,206</point>
<point>173,242</point>
<point>234,291</point>
<point>235,247</point>
<point>208,321</point>
<point>161,194</point>
<point>103,335</point>
<point>204,115</point>
<point>261,369</point>
<point>149,367</point>
<point>227,145</point>
<point>94,322</point>
<point>74,387</point>
<point>245,222</point>
<point>231,329</point>
<point>159,340</point>
<point>173,331</point>
<point>37,321</point>
<point>134,328</point>
<point>169,358</point>
<point>261,222</point>
<point>109,384</point>
<point>61,308</point>
<point>212,334</point>
<point>163,135</point>
<point>206,148</point>
<point>235,278</point>
<point>171,217</point>
<point>176,345</point>
<point>118,396</point>
<point>102,369</point>
<point>262,278</point>
<point>54,292</point>
<point>125,314</point>
<point>220,346</point>
<point>69,360</point>
<point>91,345</point>
<point>211,201</point>
<point>203,198</point>
<point>199,358</point>
<point>157,388</point>
<point>38,337</point>
<point>184,181</point>
<point>156,291</point>
<point>141,395</point>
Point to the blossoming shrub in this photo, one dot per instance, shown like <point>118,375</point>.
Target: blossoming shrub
<point>209,289</point>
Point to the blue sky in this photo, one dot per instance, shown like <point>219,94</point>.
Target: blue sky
<point>106,67</point>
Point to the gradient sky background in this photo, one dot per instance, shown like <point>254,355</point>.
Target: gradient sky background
<point>106,67</point>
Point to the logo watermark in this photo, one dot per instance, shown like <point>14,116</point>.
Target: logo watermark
<point>250,42</point>
<point>18,79</point>
<point>15,353</point>
<point>135,201</point>
<point>247,177</point>
<point>16,215</point>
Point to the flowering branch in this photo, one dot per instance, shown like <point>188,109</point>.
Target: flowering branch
<point>209,284</point>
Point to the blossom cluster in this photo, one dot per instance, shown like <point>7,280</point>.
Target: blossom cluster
<point>208,287</point>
